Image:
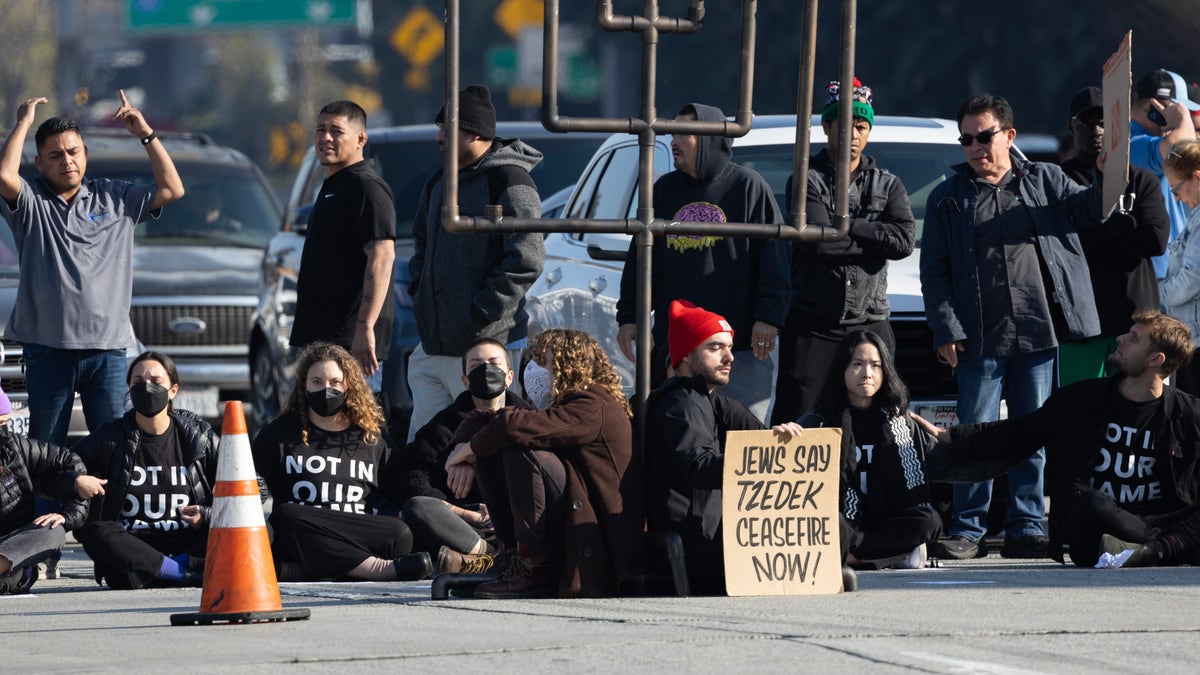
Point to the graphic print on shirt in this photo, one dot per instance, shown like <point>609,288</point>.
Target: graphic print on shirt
<point>1126,467</point>
<point>337,483</point>
<point>155,495</point>
<point>697,212</point>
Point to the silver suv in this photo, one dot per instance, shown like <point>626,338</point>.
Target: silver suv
<point>195,269</point>
<point>580,284</point>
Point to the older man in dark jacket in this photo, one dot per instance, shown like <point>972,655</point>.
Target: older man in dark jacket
<point>1005,282</point>
<point>30,469</point>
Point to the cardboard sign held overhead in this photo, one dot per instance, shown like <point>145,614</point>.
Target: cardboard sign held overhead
<point>779,509</point>
<point>1117,84</point>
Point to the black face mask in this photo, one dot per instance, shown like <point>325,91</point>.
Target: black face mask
<point>148,398</point>
<point>3,432</point>
<point>326,402</point>
<point>487,381</point>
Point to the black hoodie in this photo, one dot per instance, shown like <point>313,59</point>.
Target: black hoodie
<point>743,280</point>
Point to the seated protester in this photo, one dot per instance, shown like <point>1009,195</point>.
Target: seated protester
<point>562,484</point>
<point>887,517</point>
<point>328,467</point>
<point>30,469</point>
<point>151,476</point>
<point>686,421</point>
<point>1122,453</point>
<point>444,510</point>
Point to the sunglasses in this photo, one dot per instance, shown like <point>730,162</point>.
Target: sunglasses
<point>1178,186</point>
<point>984,137</point>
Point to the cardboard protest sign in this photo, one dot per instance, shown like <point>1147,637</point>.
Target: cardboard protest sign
<point>1117,83</point>
<point>780,513</point>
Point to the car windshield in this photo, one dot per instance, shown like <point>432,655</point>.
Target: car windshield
<point>920,166</point>
<point>220,207</point>
<point>406,167</point>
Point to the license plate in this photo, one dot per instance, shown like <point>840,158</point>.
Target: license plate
<point>941,415</point>
<point>204,401</point>
<point>18,421</point>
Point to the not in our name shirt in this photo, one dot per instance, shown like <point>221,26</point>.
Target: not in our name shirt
<point>158,485</point>
<point>335,470</point>
<point>1128,468</point>
<point>865,423</point>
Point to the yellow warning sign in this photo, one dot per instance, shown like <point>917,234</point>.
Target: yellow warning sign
<point>513,15</point>
<point>420,36</point>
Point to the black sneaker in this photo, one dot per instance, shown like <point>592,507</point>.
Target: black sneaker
<point>413,567</point>
<point>1033,546</point>
<point>849,579</point>
<point>960,548</point>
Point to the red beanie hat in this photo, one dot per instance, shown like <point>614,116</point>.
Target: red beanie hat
<point>690,326</point>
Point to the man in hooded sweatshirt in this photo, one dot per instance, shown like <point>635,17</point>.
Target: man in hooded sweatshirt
<point>744,280</point>
<point>471,285</point>
<point>841,286</point>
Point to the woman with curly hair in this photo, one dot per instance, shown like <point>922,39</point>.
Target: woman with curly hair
<point>328,466</point>
<point>563,485</point>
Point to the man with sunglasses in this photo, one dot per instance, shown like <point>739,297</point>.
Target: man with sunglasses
<point>1005,282</point>
<point>840,286</point>
<point>1158,119</point>
<point>1119,253</point>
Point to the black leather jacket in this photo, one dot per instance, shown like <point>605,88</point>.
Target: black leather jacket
<point>110,452</point>
<point>32,468</point>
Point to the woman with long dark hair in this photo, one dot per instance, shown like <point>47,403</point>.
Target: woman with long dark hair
<point>150,478</point>
<point>888,519</point>
<point>328,467</point>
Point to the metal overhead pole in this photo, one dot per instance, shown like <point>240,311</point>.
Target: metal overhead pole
<point>649,25</point>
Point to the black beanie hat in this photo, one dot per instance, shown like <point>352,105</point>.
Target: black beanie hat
<point>476,114</point>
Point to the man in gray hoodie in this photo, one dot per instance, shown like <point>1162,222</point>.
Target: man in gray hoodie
<point>471,285</point>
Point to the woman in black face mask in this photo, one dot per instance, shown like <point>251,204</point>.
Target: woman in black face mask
<point>150,478</point>
<point>330,470</point>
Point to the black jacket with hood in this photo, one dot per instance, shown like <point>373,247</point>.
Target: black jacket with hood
<point>744,280</point>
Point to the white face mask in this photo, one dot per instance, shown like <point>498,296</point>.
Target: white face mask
<point>538,384</point>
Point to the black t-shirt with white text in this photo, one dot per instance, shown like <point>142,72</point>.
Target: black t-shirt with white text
<point>335,470</point>
<point>1128,468</point>
<point>867,436</point>
<point>158,486</point>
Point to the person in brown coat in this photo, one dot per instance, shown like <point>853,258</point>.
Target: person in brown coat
<point>563,484</point>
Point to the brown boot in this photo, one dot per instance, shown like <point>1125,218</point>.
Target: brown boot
<point>453,562</point>
<point>524,578</point>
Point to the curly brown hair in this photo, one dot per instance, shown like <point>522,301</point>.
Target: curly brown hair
<point>578,363</point>
<point>361,408</point>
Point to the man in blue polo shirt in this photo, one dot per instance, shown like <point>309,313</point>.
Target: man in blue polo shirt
<point>74,237</point>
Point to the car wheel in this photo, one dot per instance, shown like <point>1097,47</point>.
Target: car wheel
<point>265,400</point>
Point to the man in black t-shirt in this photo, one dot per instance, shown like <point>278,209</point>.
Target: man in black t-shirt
<point>1122,453</point>
<point>344,291</point>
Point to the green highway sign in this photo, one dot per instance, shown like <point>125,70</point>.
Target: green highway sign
<point>149,16</point>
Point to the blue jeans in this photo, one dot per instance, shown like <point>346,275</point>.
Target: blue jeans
<point>52,376</point>
<point>1025,381</point>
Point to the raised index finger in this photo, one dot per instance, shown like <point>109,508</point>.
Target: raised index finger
<point>124,101</point>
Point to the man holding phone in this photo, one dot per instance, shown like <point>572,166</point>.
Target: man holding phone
<point>1158,119</point>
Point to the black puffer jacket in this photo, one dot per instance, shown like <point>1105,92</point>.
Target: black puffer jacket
<point>110,453</point>
<point>29,469</point>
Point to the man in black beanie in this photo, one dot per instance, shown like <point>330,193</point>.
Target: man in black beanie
<point>467,286</point>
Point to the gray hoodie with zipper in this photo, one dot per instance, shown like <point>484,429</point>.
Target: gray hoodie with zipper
<point>471,285</point>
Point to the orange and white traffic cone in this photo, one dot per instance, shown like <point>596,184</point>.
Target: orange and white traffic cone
<point>239,571</point>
